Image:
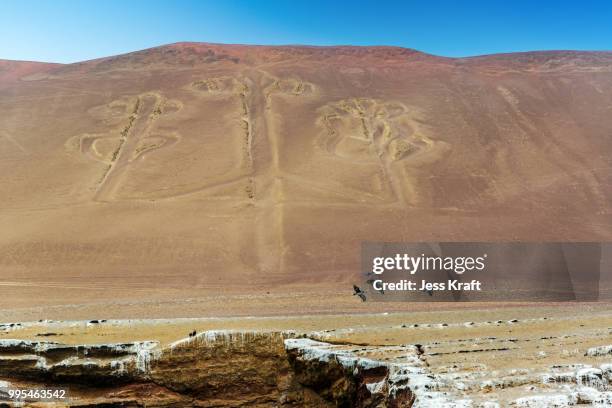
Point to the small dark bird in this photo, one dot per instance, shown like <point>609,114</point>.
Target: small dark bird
<point>429,292</point>
<point>192,334</point>
<point>359,293</point>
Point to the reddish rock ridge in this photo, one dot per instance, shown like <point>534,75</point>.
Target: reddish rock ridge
<point>196,53</point>
<point>14,70</point>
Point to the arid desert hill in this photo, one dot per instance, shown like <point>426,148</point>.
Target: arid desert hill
<point>199,165</point>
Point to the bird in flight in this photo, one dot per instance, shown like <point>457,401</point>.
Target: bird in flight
<point>358,292</point>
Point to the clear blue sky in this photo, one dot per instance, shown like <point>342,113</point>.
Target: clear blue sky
<point>69,30</point>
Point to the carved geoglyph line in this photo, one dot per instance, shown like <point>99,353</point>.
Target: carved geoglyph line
<point>365,130</point>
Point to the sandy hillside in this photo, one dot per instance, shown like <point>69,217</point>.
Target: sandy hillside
<point>195,170</point>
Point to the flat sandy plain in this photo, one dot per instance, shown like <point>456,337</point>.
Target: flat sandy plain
<point>489,354</point>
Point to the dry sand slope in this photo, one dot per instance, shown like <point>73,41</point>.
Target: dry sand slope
<point>195,168</point>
